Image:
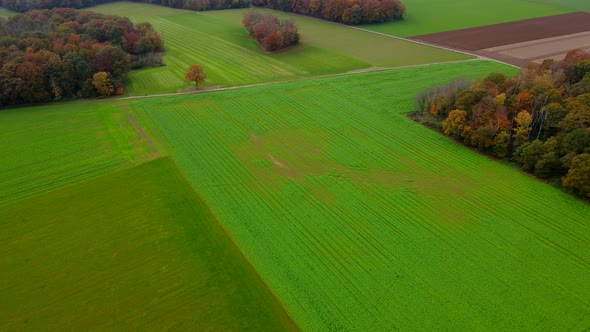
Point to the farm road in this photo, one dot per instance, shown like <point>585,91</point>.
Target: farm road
<point>353,72</point>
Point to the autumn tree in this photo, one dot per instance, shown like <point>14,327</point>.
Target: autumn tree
<point>539,120</point>
<point>529,153</point>
<point>271,33</point>
<point>53,54</point>
<point>455,124</point>
<point>500,143</point>
<point>522,127</point>
<point>102,83</point>
<point>578,176</point>
<point>195,74</point>
<point>344,11</point>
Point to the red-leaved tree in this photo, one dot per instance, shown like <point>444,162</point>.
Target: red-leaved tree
<point>269,32</point>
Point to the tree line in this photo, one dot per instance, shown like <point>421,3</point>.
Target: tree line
<point>271,33</point>
<point>344,11</point>
<point>66,53</point>
<point>198,5</point>
<point>539,120</point>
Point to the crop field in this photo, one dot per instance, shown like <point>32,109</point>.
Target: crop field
<point>359,219</point>
<point>523,41</point>
<point>311,204</point>
<point>154,259</point>
<point>427,16</point>
<point>569,4</point>
<point>49,147</point>
<point>218,42</point>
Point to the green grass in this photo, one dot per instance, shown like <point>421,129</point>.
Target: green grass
<point>359,219</point>
<point>218,42</point>
<point>427,16</point>
<point>568,4</point>
<point>5,12</point>
<point>48,147</point>
<point>133,250</point>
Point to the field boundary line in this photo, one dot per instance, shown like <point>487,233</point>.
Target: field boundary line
<point>352,72</point>
<point>419,42</point>
<point>423,43</point>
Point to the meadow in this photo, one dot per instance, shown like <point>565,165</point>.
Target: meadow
<point>426,16</point>
<point>218,42</point>
<point>359,219</point>
<point>132,250</point>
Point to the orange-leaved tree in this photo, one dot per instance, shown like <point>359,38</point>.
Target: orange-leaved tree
<point>195,74</point>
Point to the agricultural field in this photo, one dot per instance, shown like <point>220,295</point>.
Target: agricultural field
<point>53,146</point>
<point>218,42</point>
<point>569,4</point>
<point>133,250</point>
<point>312,204</point>
<point>520,42</point>
<point>358,218</point>
<point>427,16</point>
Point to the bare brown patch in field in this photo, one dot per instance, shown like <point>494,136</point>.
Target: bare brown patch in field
<point>147,141</point>
<point>288,154</point>
<point>520,42</point>
<point>479,38</point>
<point>277,157</point>
<point>142,141</point>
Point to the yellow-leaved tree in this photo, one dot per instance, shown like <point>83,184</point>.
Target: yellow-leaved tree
<point>102,83</point>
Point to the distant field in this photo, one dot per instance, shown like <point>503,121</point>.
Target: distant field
<point>359,219</point>
<point>217,40</point>
<point>427,16</point>
<point>581,5</point>
<point>48,147</point>
<point>133,250</point>
<point>5,12</point>
<point>522,42</point>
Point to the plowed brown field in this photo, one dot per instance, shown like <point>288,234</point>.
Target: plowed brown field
<point>520,42</point>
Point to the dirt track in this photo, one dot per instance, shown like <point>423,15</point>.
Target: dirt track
<point>479,38</point>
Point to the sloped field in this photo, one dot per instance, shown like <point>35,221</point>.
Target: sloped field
<point>520,42</point>
<point>218,42</point>
<point>359,219</point>
<point>49,147</point>
<point>133,250</point>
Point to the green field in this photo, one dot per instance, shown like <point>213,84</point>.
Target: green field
<point>359,219</point>
<point>427,16</point>
<point>49,147</point>
<point>217,40</point>
<point>568,4</point>
<point>132,250</point>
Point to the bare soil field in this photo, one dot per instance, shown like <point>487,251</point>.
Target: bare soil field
<point>479,38</point>
<point>540,49</point>
<point>520,42</point>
